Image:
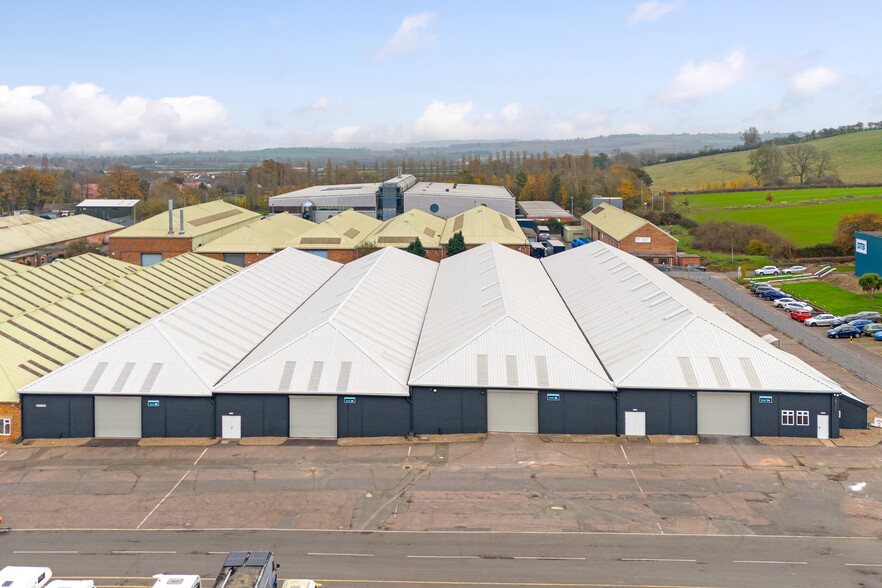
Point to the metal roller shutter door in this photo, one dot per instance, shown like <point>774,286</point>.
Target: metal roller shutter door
<point>723,413</point>
<point>512,411</point>
<point>312,417</point>
<point>118,417</point>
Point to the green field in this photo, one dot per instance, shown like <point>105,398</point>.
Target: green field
<point>803,225</point>
<point>832,299</point>
<point>855,156</point>
<point>719,200</point>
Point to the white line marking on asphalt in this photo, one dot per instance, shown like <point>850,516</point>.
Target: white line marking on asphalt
<point>662,531</point>
<point>47,552</point>
<point>344,554</point>
<point>443,556</point>
<point>788,563</point>
<point>3,453</point>
<point>848,564</point>
<point>656,559</point>
<point>549,558</point>
<point>218,552</point>
<point>200,456</point>
<point>163,500</point>
<point>409,447</point>
<point>636,482</point>
<point>120,551</point>
<point>622,447</point>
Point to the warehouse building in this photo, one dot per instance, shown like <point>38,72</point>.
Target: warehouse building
<point>867,253</point>
<point>338,238</point>
<point>19,218</point>
<point>251,243</point>
<point>334,368</point>
<point>481,225</point>
<point>156,379</point>
<point>7,268</point>
<point>108,208</point>
<point>53,314</point>
<point>539,210</point>
<point>165,235</point>
<point>404,229</point>
<point>41,242</point>
<point>681,366</point>
<point>319,203</point>
<point>448,200</point>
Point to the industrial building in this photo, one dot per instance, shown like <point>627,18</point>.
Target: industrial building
<point>487,340</point>
<point>867,253</point>
<point>542,210</point>
<point>260,239</point>
<point>41,242</point>
<point>482,225</point>
<point>108,208</point>
<point>182,230</point>
<point>406,228</point>
<point>51,315</point>
<point>338,238</point>
<point>19,218</point>
<point>393,197</point>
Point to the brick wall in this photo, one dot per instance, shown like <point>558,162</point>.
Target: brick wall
<point>249,257</point>
<point>130,248</point>
<point>341,255</point>
<point>659,241</point>
<point>10,410</point>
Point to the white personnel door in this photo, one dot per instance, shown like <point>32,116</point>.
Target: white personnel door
<point>823,426</point>
<point>118,417</point>
<point>635,424</point>
<point>231,426</point>
<point>312,417</point>
<point>723,413</point>
<point>513,411</point>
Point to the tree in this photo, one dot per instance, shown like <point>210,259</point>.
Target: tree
<point>823,164</point>
<point>79,247</point>
<point>848,224</point>
<point>36,188</point>
<point>766,165</point>
<point>751,137</point>
<point>756,247</point>
<point>120,182</point>
<point>456,244</point>
<point>870,283</point>
<point>800,160</point>
<point>417,248</point>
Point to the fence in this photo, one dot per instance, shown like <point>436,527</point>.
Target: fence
<point>831,349</point>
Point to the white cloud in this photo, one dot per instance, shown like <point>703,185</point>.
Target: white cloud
<point>814,80</point>
<point>700,79</point>
<point>83,117</point>
<point>412,35</point>
<point>651,10</point>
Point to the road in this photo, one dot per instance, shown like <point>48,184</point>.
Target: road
<point>374,559</point>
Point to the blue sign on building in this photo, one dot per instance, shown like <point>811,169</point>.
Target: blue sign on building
<point>349,400</point>
<point>765,399</point>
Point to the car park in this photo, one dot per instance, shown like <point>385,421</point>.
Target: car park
<point>872,329</point>
<point>860,323</point>
<point>877,335</point>
<point>695,267</point>
<point>774,294</point>
<point>801,315</point>
<point>847,318</point>
<point>843,331</point>
<point>871,315</point>
<point>768,270</point>
<point>761,288</point>
<point>785,300</point>
<point>794,269</point>
<point>823,320</point>
<point>791,306</point>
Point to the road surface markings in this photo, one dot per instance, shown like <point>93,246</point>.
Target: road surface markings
<point>466,583</point>
<point>125,551</point>
<point>627,461</point>
<point>662,531</point>
<point>3,453</point>
<point>549,558</point>
<point>163,499</point>
<point>218,552</point>
<point>655,559</point>
<point>443,557</point>
<point>344,554</point>
<point>788,563</point>
<point>848,564</point>
<point>200,456</point>
<point>636,482</point>
<point>48,552</point>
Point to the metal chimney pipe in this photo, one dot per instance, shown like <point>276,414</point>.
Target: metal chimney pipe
<point>171,230</point>
<point>182,221</point>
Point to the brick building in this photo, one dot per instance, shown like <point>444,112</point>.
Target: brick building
<point>338,238</point>
<point>251,243</point>
<point>482,225</point>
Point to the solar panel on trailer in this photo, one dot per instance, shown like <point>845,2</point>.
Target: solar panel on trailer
<point>236,559</point>
<point>258,558</point>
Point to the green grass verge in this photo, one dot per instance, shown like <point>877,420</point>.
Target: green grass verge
<point>720,200</point>
<point>832,299</point>
<point>718,261</point>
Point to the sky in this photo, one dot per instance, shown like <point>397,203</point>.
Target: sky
<point>141,77</point>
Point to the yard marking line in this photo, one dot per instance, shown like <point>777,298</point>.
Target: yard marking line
<point>848,564</point>
<point>345,554</point>
<point>409,447</point>
<point>200,456</point>
<point>791,563</point>
<point>636,482</point>
<point>548,558</point>
<point>218,552</point>
<point>163,500</point>
<point>46,552</point>
<point>656,559</point>
<point>662,531</point>
<point>443,557</point>
<point>143,552</point>
<point>622,447</point>
<point>478,583</point>
<point>4,453</point>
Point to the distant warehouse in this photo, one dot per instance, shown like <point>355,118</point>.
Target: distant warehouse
<point>41,242</point>
<point>108,208</point>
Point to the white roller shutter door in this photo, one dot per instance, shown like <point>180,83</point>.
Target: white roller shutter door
<point>118,417</point>
<point>723,413</point>
<point>513,411</point>
<point>312,416</point>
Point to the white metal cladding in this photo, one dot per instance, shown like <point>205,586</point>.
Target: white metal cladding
<point>368,316</point>
<point>494,302</point>
<point>723,413</point>
<point>118,417</point>
<point>641,322</point>
<point>198,341</point>
<point>311,417</point>
<point>349,195</point>
<point>513,411</point>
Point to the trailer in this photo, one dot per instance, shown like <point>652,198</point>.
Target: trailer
<point>555,246</point>
<point>24,577</point>
<point>248,569</point>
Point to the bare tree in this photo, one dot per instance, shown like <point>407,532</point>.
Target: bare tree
<point>823,165</point>
<point>800,160</point>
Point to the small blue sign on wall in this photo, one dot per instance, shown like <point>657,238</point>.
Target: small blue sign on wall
<point>349,400</point>
<point>765,399</point>
<point>152,403</point>
<point>553,397</point>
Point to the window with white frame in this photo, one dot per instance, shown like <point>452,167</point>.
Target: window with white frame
<point>802,418</point>
<point>5,426</point>
<point>786,417</point>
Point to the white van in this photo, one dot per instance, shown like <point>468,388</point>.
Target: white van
<point>24,577</point>
<point>177,581</point>
<point>71,584</point>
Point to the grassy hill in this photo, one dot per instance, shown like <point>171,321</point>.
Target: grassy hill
<point>856,157</point>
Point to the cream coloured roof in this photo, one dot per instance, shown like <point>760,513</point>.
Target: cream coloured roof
<point>615,222</point>
<point>484,225</point>
<point>404,229</point>
<point>264,236</point>
<point>48,232</point>
<point>346,230</point>
<point>199,219</point>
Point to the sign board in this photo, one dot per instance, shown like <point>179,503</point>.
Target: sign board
<point>152,403</point>
<point>860,246</point>
<point>643,239</point>
<point>40,406</point>
<point>553,397</point>
<point>877,422</point>
<point>349,400</point>
<point>765,399</point>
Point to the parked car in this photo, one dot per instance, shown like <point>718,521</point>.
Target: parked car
<point>847,318</point>
<point>870,315</point>
<point>823,320</point>
<point>782,301</point>
<point>760,289</point>
<point>774,294</point>
<point>801,315</point>
<point>860,323</point>
<point>791,306</point>
<point>793,269</point>
<point>844,331</point>
<point>768,270</point>
<point>872,329</point>
<point>695,267</point>
<point>878,335</point>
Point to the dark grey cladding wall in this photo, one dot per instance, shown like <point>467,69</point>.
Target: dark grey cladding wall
<point>668,412</point>
<point>53,416</point>
<point>577,413</point>
<point>765,417</point>
<point>177,417</point>
<point>854,414</point>
<point>373,416</point>
<point>263,415</point>
<point>446,411</point>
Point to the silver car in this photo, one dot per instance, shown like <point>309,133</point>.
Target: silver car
<point>823,320</point>
<point>791,306</point>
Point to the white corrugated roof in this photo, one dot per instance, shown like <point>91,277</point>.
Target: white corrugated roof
<point>496,321</point>
<point>187,349</point>
<point>357,335</point>
<point>651,332</point>
<point>108,202</point>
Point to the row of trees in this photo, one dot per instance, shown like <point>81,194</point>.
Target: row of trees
<point>772,166</point>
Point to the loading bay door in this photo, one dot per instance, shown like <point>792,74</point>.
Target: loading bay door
<point>118,417</point>
<point>513,411</point>
<point>312,417</point>
<point>723,413</point>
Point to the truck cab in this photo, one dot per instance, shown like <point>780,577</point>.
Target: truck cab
<point>24,577</point>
